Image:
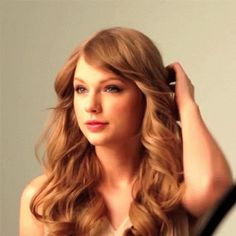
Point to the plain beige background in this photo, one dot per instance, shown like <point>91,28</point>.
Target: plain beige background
<point>38,36</point>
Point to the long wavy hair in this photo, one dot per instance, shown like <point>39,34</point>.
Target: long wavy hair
<point>68,202</point>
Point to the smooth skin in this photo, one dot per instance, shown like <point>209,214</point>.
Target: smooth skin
<point>207,174</point>
<point>102,96</point>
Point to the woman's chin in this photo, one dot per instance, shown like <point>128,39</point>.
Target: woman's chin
<point>98,142</point>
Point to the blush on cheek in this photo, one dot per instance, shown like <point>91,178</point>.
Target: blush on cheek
<point>129,104</point>
<point>123,108</point>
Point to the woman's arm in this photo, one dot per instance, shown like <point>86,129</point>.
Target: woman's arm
<point>207,174</point>
<point>28,224</point>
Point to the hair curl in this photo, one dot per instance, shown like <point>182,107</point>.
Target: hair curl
<point>69,207</point>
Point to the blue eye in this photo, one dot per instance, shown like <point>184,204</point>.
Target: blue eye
<point>112,89</point>
<point>80,89</point>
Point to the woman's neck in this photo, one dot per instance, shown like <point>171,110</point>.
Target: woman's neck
<point>120,163</point>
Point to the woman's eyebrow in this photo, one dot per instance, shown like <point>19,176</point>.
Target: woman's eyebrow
<point>78,79</point>
<point>102,81</point>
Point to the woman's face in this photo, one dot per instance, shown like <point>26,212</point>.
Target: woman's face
<point>109,109</point>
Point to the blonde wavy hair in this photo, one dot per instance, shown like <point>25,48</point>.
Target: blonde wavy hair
<point>68,203</point>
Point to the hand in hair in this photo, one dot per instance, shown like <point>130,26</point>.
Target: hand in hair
<point>206,173</point>
<point>184,89</point>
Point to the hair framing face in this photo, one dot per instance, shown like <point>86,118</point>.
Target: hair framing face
<point>155,208</point>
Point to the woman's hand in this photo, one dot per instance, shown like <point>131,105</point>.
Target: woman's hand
<point>184,89</point>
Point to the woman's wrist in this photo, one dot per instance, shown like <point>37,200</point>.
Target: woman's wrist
<point>188,110</point>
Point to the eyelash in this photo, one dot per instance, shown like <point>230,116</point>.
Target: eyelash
<point>113,89</point>
<point>109,89</point>
<point>78,88</point>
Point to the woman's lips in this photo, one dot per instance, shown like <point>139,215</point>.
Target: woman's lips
<point>96,125</point>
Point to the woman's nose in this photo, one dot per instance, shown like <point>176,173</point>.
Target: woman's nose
<point>93,104</point>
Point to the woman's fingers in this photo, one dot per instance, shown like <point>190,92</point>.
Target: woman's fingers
<point>178,69</point>
<point>184,89</point>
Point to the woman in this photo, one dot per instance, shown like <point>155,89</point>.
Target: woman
<point>117,161</point>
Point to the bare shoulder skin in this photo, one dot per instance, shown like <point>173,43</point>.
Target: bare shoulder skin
<point>28,224</point>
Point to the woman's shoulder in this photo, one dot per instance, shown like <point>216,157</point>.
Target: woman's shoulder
<point>33,186</point>
<point>28,223</point>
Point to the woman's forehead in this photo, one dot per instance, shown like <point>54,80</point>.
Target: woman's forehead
<point>85,71</point>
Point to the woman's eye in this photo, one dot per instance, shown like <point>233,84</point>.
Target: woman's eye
<point>112,89</point>
<point>80,89</point>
